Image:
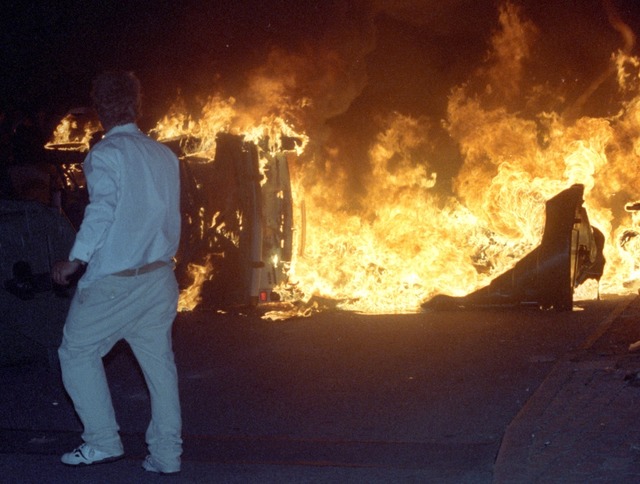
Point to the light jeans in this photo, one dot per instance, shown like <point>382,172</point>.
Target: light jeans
<point>141,310</point>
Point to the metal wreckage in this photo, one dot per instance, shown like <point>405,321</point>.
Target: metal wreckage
<point>571,252</point>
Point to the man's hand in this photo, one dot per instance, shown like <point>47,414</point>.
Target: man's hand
<point>62,270</point>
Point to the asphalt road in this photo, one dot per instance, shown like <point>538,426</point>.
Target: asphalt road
<point>337,397</point>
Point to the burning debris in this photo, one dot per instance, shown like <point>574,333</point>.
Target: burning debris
<point>569,254</point>
<point>76,131</point>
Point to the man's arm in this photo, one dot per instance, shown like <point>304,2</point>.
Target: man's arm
<point>64,269</point>
<point>99,214</point>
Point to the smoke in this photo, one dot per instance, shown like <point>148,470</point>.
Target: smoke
<point>344,72</point>
<point>629,40</point>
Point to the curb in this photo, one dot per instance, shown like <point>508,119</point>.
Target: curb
<point>514,461</point>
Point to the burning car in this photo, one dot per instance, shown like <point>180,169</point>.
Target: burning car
<point>237,223</point>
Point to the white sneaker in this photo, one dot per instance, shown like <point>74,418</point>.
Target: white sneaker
<point>85,454</point>
<point>150,465</point>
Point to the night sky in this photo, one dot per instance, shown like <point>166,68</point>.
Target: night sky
<point>51,50</point>
<point>357,59</point>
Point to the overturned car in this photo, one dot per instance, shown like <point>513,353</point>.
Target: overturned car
<point>237,222</point>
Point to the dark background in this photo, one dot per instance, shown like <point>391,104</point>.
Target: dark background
<point>51,50</point>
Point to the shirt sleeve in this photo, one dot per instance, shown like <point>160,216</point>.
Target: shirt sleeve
<point>102,176</point>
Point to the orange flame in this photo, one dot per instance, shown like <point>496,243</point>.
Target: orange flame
<point>190,296</point>
<point>408,243</point>
<point>405,241</point>
<point>72,135</point>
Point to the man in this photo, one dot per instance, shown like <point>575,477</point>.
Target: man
<point>127,240</point>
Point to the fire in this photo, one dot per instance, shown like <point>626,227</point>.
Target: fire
<point>220,115</point>
<point>401,237</point>
<point>190,297</point>
<point>200,132</point>
<point>406,242</point>
<point>73,134</point>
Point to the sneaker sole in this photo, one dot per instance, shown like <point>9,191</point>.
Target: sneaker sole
<point>151,468</point>
<point>103,461</point>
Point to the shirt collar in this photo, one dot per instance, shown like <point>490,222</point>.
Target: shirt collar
<point>123,128</point>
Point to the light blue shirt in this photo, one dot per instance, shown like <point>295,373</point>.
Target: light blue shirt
<point>133,216</point>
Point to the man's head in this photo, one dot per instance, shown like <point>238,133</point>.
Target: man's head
<point>116,96</point>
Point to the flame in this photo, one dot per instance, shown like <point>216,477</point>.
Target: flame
<point>221,115</point>
<point>72,134</point>
<point>200,132</point>
<point>72,176</point>
<point>406,242</point>
<point>190,296</point>
<point>400,238</point>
